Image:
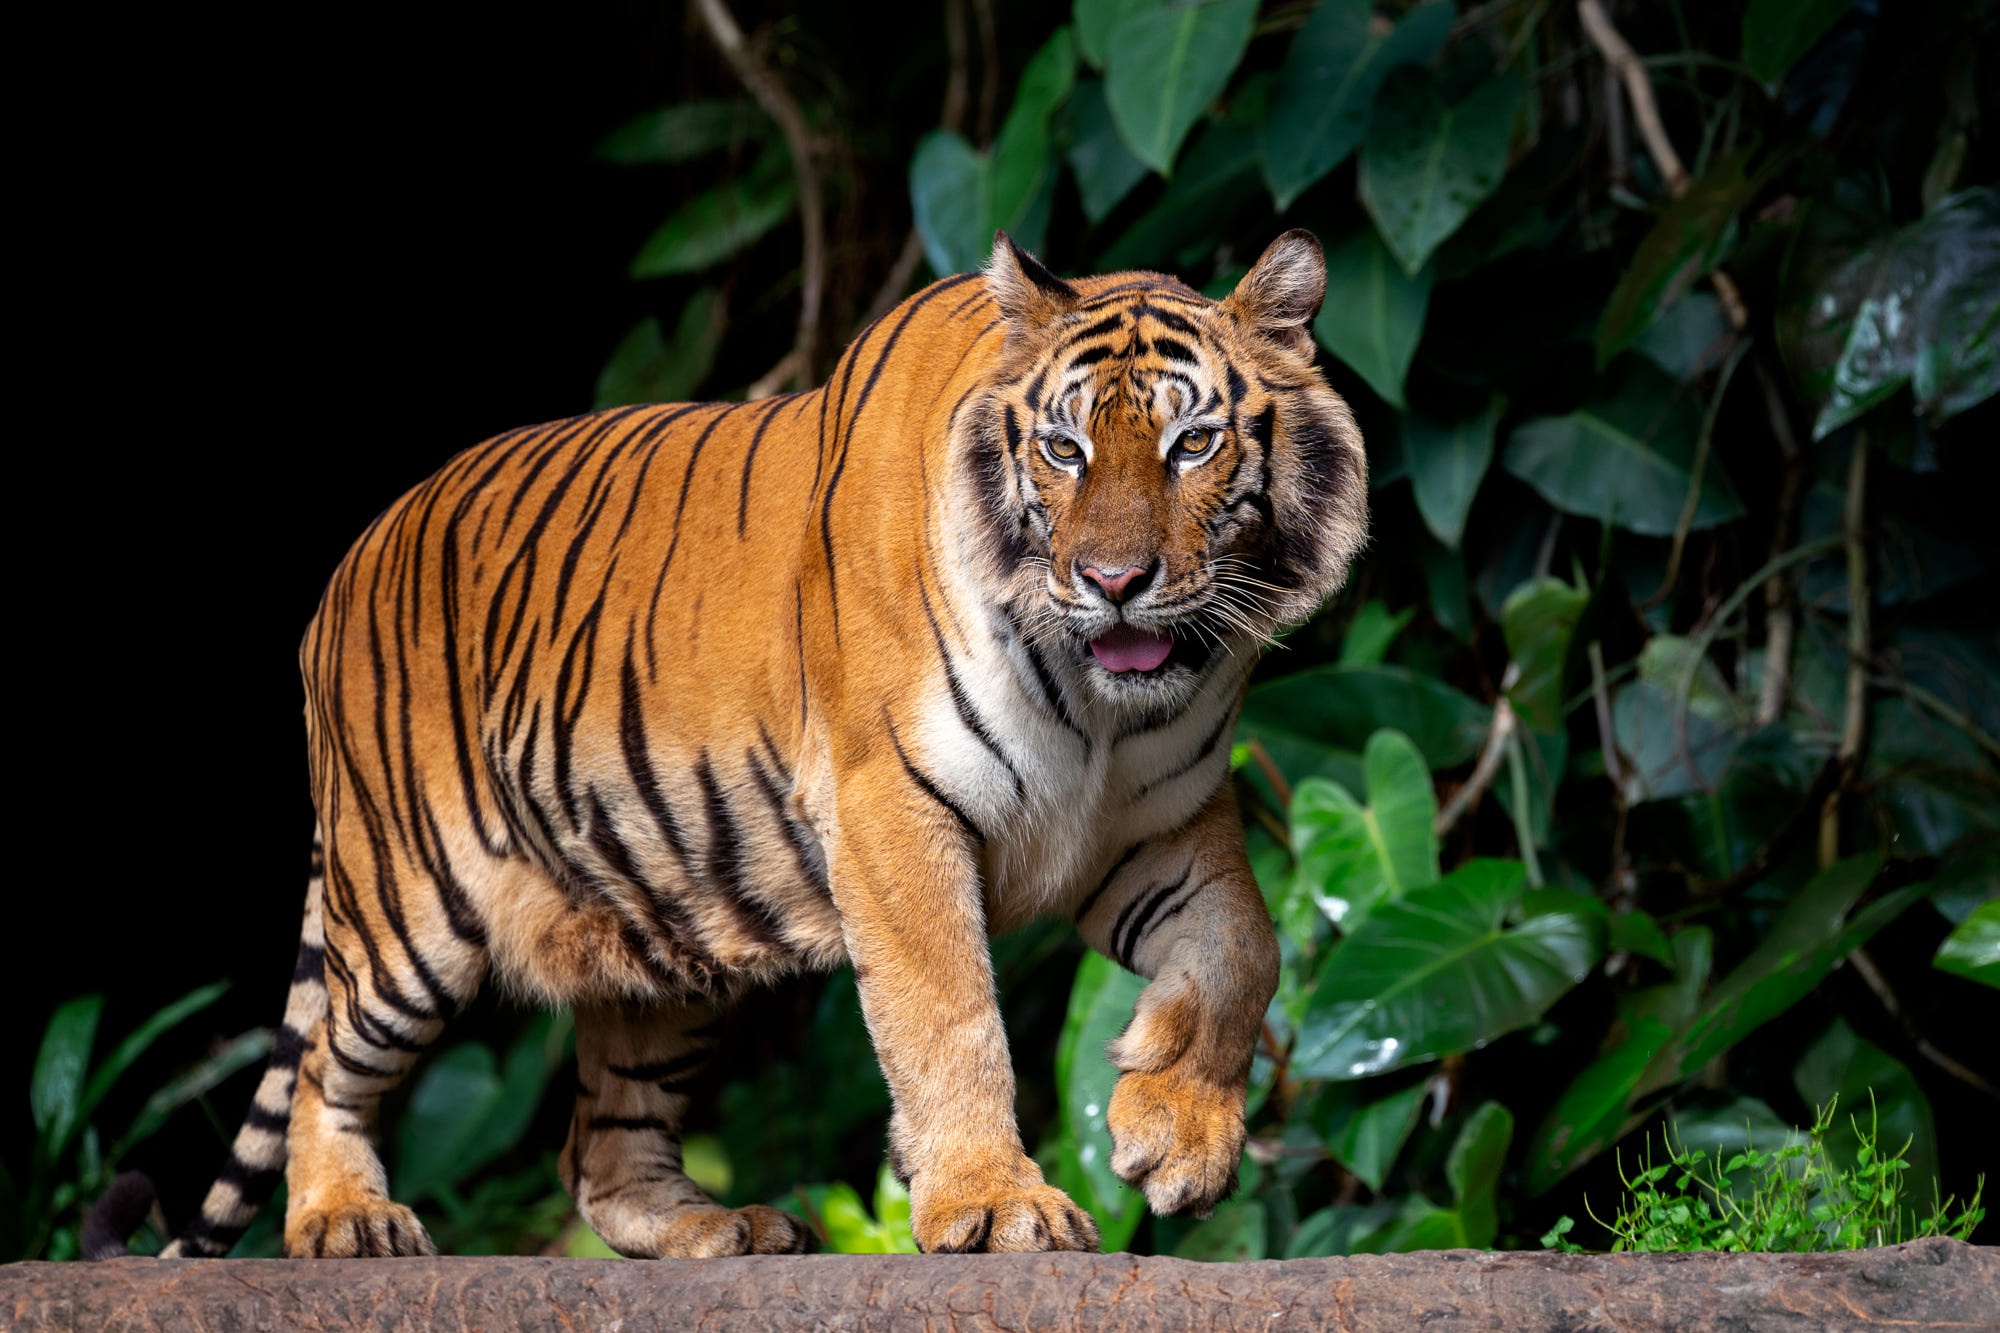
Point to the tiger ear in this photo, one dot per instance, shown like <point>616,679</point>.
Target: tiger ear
<point>1029,295</point>
<point>1282,292</point>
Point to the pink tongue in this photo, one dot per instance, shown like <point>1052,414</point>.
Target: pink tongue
<point>1128,648</point>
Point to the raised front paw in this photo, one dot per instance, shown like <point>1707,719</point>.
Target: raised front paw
<point>978,1214</point>
<point>1177,1139</point>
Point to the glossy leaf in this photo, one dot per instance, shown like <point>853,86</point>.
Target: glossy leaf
<point>1326,89</point>
<point>200,1079</point>
<point>1972,949</point>
<point>720,222</point>
<point>1871,1087</point>
<point>1687,338</point>
<point>141,1039</point>
<point>1100,1005</point>
<point>467,1109</point>
<point>1352,858</point>
<point>1342,1229</point>
<point>951,200</point>
<point>1370,634</point>
<point>1777,32</point>
<point>1473,1169</point>
<point>1211,185</point>
<point>1341,707</point>
<point>648,367</point>
<point>55,1088</point>
<point>1235,1234</point>
<point>1427,164</point>
<point>1687,240</point>
<point>1626,460</point>
<point>1104,167</point>
<point>1097,19</point>
<point>1436,973</point>
<point>1373,314</point>
<point>1366,1136</point>
<point>1538,620</point>
<point>1593,1111</point>
<point>1024,166</point>
<point>1447,462</point>
<point>1918,307</point>
<point>1165,65</point>
<point>682,132</point>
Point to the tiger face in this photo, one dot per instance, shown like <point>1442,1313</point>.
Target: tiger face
<point>1166,479</point>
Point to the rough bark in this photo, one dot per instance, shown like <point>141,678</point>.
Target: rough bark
<point>1927,1284</point>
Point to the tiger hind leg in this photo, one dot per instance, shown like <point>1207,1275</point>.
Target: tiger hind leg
<point>622,1163</point>
<point>389,991</point>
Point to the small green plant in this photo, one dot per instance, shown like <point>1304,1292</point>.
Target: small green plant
<point>1795,1198</point>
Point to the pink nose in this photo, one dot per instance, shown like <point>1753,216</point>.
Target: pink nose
<point>1119,582</point>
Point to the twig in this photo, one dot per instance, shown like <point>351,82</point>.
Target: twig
<point>1692,505</point>
<point>780,106</point>
<point>1780,620</point>
<point>1864,967</point>
<point>1943,711</point>
<point>1854,725</point>
<point>1524,823</point>
<point>1484,771</point>
<point>1269,768</point>
<point>1614,767</point>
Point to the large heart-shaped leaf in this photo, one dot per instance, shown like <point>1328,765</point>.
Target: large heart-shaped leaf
<point>1165,66</point>
<point>1351,857</point>
<point>1100,1005</point>
<point>1342,706</point>
<point>1427,164</point>
<point>1214,182</point>
<point>1919,307</point>
<point>1096,20</point>
<point>951,200</point>
<point>1373,313</point>
<point>468,1109</point>
<point>1777,32</point>
<point>1436,972</point>
<point>1473,1170</point>
<point>1024,164</point>
<point>718,223</point>
<point>1538,620</point>
<point>1973,948</point>
<point>1686,241</point>
<point>1626,460</point>
<point>1365,1135</point>
<point>1320,107</point>
<point>1447,461</point>
<point>1104,168</point>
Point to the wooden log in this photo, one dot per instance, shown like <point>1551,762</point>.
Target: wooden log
<point>1932,1284</point>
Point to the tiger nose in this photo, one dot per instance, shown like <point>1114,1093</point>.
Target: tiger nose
<point>1120,583</point>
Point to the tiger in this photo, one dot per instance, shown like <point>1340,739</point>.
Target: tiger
<point>641,709</point>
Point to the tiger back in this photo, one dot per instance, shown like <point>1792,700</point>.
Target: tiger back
<point>643,708</point>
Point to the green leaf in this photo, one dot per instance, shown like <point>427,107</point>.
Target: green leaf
<point>647,368</point>
<point>1426,165</point>
<point>1777,32</point>
<point>1435,973</point>
<point>203,1078</point>
<point>1686,338</point>
<point>1538,620</point>
<point>1817,929</point>
<point>1235,1234</point>
<point>1352,859</point>
<point>1917,307</point>
<point>1871,1085</point>
<point>1343,1229</point>
<point>951,198</point>
<point>140,1041</point>
<point>1473,1168</point>
<point>892,1211</point>
<point>1370,633</point>
<point>1097,19</point>
<point>1645,720</point>
<point>464,1112</point>
<point>1320,107</point>
<point>683,131</point>
<point>1164,66</point>
<point>1592,1113</point>
<point>720,222</point>
<point>1366,1136</point>
<point>849,1228</point>
<point>1100,1005</point>
<point>1373,314</point>
<point>1024,166</point>
<point>1104,167</point>
<point>1447,461</point>
<point>1626,460</point>
<point>1973,949</point>
<point>56,1086</point>
<point>1213,184</point>
<point>1342,706</point>
<point>1685,243</point>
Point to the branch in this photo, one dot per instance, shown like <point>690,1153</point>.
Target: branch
<point>1484,771</point>
<point>1855,723</point>
<point>1780,621</point>
<point>1864,967</point>
<point>779,105</point>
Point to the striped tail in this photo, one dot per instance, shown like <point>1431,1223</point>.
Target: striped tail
<point>257,1157</point>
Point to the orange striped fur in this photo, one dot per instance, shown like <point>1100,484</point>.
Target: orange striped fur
<point>639,709</point>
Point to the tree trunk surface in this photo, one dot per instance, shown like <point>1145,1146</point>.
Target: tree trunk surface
<point>1922,1285</point>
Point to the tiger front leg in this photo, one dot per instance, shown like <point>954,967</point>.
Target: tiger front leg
<point>906,879</point>
<point>1186,912</point>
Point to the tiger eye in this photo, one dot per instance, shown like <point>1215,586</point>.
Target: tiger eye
<point>1063,447</point>
<point>1196,442</point>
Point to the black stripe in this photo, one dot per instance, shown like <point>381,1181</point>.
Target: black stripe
<point>271,1121</point>
<point>1173,349</point>
<point>1105,883</point>
<point>1144,909</point>
<point>659,1071</point>
<point>1206,749</point>
<point>929,787</point>
<point>968,716</point>
<point>635,1123</point>
<point>811,857</point>
<point>1052,696</point>
<point>750,457</point>
<point>638,759</point>
<point>729,863</point>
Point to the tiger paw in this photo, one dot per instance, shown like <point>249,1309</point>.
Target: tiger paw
<point>363,1226</point>
<point>710,1231</point>
<point>1177,1139</point>
<point>978,1215</point>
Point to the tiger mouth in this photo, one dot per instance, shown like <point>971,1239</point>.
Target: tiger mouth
<point>1132,653</point>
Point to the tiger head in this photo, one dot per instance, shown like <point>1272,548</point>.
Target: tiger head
<point>1163,478</point>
